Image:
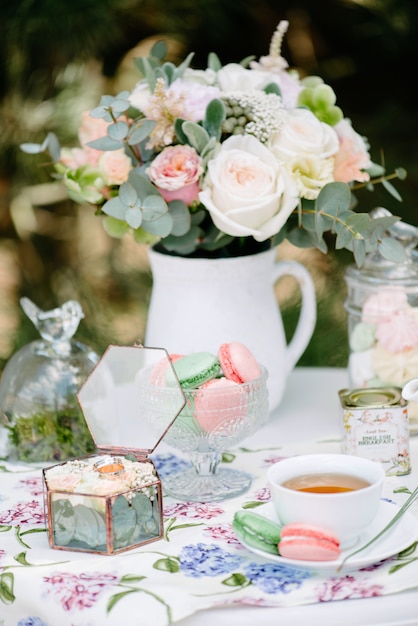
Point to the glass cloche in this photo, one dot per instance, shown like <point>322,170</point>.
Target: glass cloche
<point>40,417</point>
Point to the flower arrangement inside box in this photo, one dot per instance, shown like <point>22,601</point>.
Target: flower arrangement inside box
<point>112,501</point>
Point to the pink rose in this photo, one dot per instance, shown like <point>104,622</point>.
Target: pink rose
<point>63,482</point>
<point>175,172</point>
<point>115,166</point>
<point>91,128</point>
<point>352,157</point>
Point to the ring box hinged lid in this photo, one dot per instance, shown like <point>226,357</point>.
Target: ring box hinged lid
<point>112,501</point>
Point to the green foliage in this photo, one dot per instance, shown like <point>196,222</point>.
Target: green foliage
<point>320,99</point>
<point>50,436</point>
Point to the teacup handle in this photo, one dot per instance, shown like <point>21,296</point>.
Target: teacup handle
<point>307,318</point>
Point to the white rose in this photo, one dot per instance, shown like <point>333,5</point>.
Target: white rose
<point>205,77</point>
<point>234,77</point>
<point>140,96</point>
<point>246,191</point>
<point>303,133</point>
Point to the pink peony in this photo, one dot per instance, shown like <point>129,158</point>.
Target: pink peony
<point>175,172</point>
<point>352,157</point>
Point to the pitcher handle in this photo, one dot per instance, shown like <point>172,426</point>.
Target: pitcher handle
<point>307,318</point>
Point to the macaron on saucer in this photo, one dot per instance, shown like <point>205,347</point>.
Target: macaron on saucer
<point>398,538</point>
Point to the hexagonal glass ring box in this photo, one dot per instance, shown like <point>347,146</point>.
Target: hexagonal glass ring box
<point>112,501</point>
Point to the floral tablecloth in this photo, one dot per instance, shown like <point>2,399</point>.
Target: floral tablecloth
<point>199,563</point>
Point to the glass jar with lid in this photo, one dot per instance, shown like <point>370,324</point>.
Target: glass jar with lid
<point>382,307</point>
<point>40,418</point>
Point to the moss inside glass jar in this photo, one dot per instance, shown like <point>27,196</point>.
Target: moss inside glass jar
<point>50,436</point>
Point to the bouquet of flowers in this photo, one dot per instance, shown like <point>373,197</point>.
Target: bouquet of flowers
<point>225,160</point>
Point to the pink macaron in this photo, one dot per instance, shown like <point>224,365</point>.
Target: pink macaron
<point>158,373</point>
<point>216,401</point>
<point>238,363</point>
<point>305,542</point>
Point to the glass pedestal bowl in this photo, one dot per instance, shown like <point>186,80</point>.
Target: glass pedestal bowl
<point>212,421</point>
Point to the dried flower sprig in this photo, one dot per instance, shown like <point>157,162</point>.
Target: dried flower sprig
<point>406,505</point>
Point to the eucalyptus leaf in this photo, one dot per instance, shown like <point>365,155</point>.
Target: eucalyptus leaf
<point>118,131</point>
<point>105,144</point>
<point>401,173</point>
<point>121,104</point>
<point>375,170</point>
<point>359,222</point>
<point>359,251</point>
<point>90,526</point>
<point>154,207</point>
<point>142,184</point>
<point>344,237</point>
<point>123,522</point>
<point>100,111</point>
<point>142,506</point>
<point>140,131</point>
<point>183,245</point>
<point>53,146</point>
<point>391,189</point>
<point>334,198</point>
<point>133,217</point>
<point>161,226</point>
<point>392,250</point>
<point>32,148</point>
<point>63,521</point>
<point>114,208</point>
<point>128,195</point>
<point>181,217</point>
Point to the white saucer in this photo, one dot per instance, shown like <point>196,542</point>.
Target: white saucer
<point>398,538</point>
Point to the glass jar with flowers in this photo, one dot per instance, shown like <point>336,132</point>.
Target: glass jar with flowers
<point>213,168</point>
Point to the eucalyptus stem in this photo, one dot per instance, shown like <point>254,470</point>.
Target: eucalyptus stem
<point>395,518</point>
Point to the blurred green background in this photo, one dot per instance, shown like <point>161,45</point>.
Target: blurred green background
<point>58,57</point>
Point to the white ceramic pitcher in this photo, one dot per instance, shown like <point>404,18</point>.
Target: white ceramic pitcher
<point>198,304</point>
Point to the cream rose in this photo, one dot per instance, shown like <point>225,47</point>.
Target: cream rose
<point>310,174</point>
<point>246,191</point>
<point>115,166</point>
<point>176,172</point>
<point>303,134</point>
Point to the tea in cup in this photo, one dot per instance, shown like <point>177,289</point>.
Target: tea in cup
<point>340,492</point>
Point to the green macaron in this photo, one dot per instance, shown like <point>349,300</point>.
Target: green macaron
<point>195,369</point>
<point>257,531</point>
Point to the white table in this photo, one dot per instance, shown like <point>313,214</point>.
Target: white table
<point>311,409</point>
<point>310,412</point>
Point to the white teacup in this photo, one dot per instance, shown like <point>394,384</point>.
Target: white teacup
<point>347,513</point>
